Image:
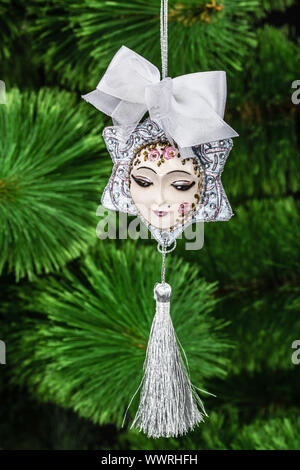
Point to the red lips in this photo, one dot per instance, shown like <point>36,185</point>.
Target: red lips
<point>160,213</point>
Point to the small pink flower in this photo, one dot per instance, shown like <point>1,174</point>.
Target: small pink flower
<point>153,155</point>
<point>184,207</point>
<point>170,152</point>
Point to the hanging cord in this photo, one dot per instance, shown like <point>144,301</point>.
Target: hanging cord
<point>163,249</point>
<point>164,37</point>
<point>163,267</point>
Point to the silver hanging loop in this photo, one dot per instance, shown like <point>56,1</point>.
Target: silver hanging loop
<point>163,248</point>
<point>164,37</point>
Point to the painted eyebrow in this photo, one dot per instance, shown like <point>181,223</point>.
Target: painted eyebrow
<point>147,168</point>
<point>179,171</point>
<point>174,171</point>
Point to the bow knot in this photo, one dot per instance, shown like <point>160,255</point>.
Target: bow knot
<point>158,99</point>
<point>190,108</point>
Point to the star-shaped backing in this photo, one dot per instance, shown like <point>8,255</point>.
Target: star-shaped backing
<point>214,205</point>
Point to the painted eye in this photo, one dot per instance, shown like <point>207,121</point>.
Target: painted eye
<point>183,186</point>
<point>141,182</point>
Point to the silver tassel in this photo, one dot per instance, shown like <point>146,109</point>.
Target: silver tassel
<point>168,400</point>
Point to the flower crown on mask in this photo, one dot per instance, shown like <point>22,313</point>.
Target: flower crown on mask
<point>160,152</point>
<point>157,152</point>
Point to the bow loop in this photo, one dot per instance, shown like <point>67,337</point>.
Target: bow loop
<point>190,108</point>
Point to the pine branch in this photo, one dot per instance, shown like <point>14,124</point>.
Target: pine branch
<point>264,81</point>
<point>264,161</point>
<point>263,326</point>
<point>84,347</point>
<point>78,39</point>
<point>257,247</point>
<point>10,21</point>
<point>49,179</point>
<point>268,6</point>
<point>279,433</point>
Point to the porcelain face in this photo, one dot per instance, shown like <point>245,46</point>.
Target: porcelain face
<point>165,188</point>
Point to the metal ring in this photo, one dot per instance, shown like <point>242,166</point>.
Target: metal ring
<point>163,249</point>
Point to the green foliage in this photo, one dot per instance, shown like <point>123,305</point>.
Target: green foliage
<point>26,424</point>
<point>264,161</point>
<point>264,80</point>
<point>264,325</point>
<point>78,39</point>
<point>86,344</point>
<point>256,247</point>
<point>280,433</point>
<point>17,64</point>
<point>49,176</point>
<point>271,5</point>
<point>10,20</point>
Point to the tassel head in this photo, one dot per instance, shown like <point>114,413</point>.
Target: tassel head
<point>162,292</point>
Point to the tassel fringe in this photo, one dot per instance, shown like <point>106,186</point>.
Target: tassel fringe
<point>168,400</point>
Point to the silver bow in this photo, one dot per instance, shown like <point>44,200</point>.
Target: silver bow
<point>190,108</point>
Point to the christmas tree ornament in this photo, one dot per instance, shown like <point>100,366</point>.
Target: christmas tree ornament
<point>167,171</point>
